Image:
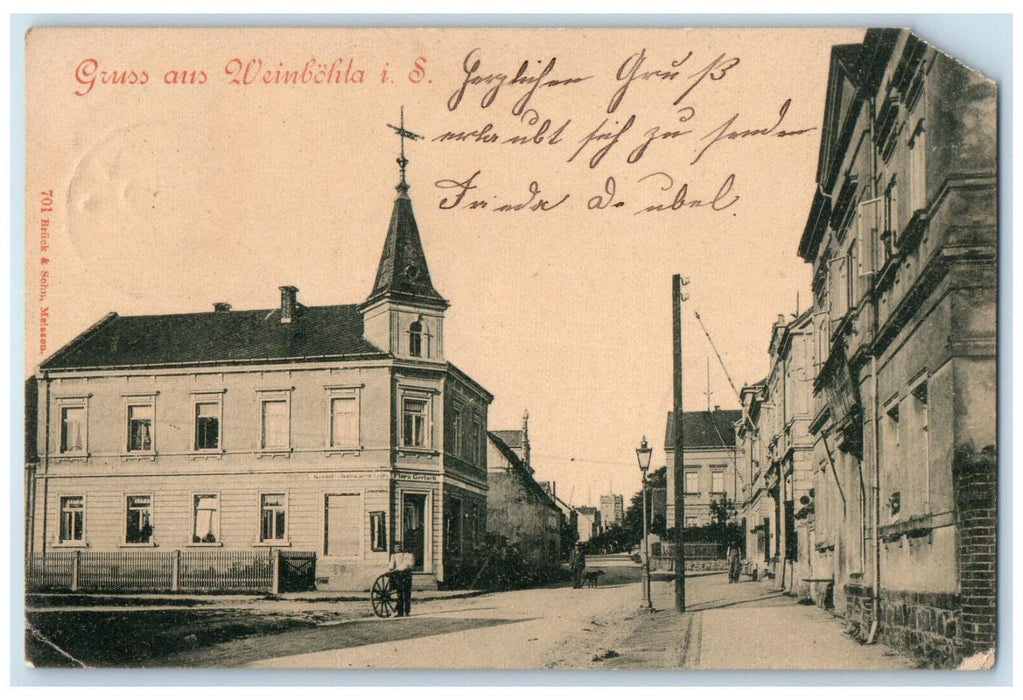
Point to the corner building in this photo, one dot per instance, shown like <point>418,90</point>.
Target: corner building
<point>337,430</point>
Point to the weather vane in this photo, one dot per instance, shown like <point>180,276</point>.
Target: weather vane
<point>404,134</point>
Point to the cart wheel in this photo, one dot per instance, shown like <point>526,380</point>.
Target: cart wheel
<point>383,596</point>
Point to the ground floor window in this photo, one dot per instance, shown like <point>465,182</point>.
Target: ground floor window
<point>378,531</point>
<point>453,526</point>
<point>206,518</point>
<point>273,517</point>
<point>139,525</point>
<point>72,519</point>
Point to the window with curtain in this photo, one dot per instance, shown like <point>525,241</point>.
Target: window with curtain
<point>72,429</point>
<point>140,428</point>
<point>207,426</point>
<point>206,517</point>
<point>414,422</point>
<point>139,526</point>
<point>273,517</point>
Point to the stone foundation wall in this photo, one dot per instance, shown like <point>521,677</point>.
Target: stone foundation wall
<point>924,625</point>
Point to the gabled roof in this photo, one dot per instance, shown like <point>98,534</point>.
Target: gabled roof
<point>511,438</point>
<point>218,337</point>
<point>519,466</point>
<point>703,429</point>
<point>403,274</point>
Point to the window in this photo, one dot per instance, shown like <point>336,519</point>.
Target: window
<point>477,446</point>
<point>415,339</point>
<point>206,518</point>
<point>72,519</point>
<point>139,526</point>
<point>717,482</point>
<point>140,428</point>
<point>414,423</point>
<point>691,521</point>
<point>72,429</point>
<point>344,421</point>
<point>456,428</point>
<point>692,482</point>
<point>890,214</point>
<point>453,527</point>
<point>378,531</point>
<point>918,168</point>
<point>275,425</point>
<point>207,425</point>
<point>273,509</point>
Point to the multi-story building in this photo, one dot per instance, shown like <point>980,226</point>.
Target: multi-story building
<point>710,458</point>
<point>612,509</point>
<point>340,430</point>
<point>777,470</point>
<point>519,509</point>
<point>902,236</point>
<point>588,522</point>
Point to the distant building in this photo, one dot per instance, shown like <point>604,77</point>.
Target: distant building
<point>777,459</point>
<point>612,509</point>
<point>518,508</point>
<point>710,460</point>
<point>588,522</point>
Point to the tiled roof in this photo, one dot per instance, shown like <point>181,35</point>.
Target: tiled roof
<point>218,337</point>
<point>517,465</point>
<point>703,429</point>
<point>511,438</point>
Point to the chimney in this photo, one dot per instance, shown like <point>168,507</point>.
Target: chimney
<point>289,295</point>
<point>717,407</point>
<point>221,306</point>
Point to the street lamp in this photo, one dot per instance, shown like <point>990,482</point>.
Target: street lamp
<point>643,454</point>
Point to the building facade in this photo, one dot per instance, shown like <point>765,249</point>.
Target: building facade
<point>710,459</point>
<point>776,474</point>
<point>588,523</point>
<point>338,430</point>
<point>519,509</point>
<point>612,509</point>
<point>902,236</point>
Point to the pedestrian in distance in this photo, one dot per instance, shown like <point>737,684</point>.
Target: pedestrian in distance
<point>400,565</point>
<point>577,562</point>
<point>732,558</point>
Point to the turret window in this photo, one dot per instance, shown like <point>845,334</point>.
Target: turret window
<point>415,339</point>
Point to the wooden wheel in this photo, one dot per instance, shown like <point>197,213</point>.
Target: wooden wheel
<point>383,596</point>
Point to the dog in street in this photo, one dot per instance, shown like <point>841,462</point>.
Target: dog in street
<point>592,578</point>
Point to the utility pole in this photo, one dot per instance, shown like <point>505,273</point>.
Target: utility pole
<point>677,297</point>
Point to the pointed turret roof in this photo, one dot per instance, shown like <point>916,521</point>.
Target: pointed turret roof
<point>403,274</point>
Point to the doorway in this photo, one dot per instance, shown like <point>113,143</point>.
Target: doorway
<point>413,526</point>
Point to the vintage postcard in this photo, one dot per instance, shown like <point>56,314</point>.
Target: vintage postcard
<point>473,348</point>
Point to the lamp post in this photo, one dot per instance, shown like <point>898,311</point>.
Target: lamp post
<point>643,454</point>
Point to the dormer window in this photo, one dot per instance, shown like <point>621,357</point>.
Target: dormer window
<point>415,339</point>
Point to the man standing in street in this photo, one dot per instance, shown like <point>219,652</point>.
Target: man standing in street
<point>400,566</point>
<point>577,562</point>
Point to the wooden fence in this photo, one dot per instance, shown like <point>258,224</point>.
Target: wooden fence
<point>149,571</point>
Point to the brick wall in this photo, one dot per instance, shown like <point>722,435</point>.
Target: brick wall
<point>975,480</point>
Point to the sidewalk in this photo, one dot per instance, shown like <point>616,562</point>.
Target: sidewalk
<point>745,626</point>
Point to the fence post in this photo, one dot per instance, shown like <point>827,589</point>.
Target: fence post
<point>176,571</point>
<point>75,566</point>
<point>275,574</point>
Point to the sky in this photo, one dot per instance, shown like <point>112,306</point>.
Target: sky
<point>215,179</point>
